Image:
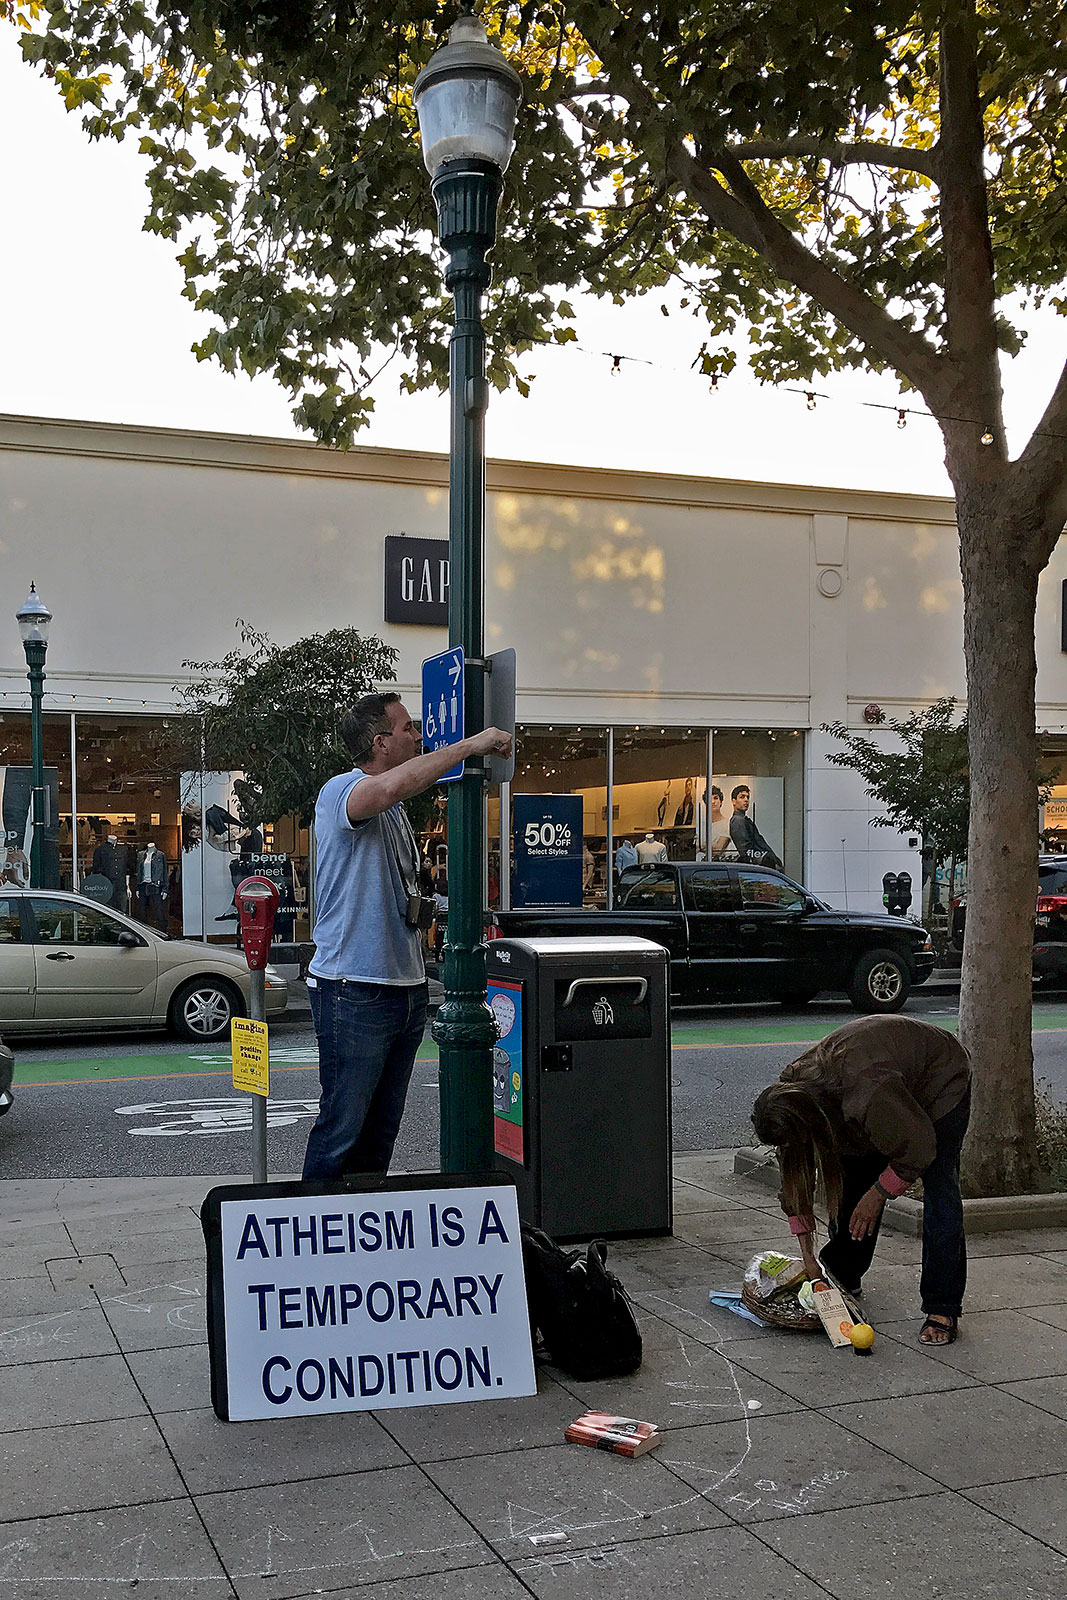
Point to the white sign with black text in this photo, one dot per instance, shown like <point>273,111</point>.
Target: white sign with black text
<point>365,1301</point>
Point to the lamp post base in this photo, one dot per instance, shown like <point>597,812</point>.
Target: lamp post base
<point>465,1031</point>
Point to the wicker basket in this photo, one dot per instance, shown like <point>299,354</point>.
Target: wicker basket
<point>773,1297</point>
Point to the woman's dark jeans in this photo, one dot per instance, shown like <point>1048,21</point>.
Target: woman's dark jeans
<point>368,1036</point>
<point>944,1270</point>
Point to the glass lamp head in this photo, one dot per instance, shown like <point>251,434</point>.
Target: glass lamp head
<point>467,99</point>
<point>33,617</point>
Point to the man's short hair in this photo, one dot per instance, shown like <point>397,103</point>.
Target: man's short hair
<point>716,790</point>
<point>361,724</point>
<point>742,788</point>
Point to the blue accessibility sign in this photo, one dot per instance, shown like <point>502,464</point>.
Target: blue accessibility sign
<point>442,705</point>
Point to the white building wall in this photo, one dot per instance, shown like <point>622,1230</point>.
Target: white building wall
<point>629,598</point>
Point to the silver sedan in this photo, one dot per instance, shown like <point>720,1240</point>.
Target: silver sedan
<point>67,965</point>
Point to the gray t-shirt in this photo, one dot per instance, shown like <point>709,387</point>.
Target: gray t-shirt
<point>362,876</point>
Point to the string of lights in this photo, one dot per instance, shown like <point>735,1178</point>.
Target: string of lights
<point>61,702</point>
<point>811,396</point>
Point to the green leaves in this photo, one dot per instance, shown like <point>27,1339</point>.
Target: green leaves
<point>658,143</point>
<point>925,786</point>
<point>274,711</point>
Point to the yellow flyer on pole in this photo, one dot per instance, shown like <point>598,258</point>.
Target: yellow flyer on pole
<point>251,1065</point>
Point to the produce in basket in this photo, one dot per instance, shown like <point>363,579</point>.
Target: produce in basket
<point>771,1290</point>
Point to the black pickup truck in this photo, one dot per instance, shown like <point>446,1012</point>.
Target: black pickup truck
<point>738,932</point>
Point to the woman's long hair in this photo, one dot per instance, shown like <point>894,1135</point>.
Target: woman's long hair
<point>800,1121</point>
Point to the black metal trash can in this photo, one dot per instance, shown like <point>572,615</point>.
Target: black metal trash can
<point>581,1083</point>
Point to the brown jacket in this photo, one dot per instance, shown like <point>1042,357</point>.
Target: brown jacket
<point>894,1077</point>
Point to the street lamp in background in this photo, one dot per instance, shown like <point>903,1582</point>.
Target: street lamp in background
<point>33,617</point>
<point>467,98</point>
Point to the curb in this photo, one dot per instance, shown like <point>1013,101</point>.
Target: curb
<point>997,1214</point>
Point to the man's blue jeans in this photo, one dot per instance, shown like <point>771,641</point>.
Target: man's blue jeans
<point>368,1036</point>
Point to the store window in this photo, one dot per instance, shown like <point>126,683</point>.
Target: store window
<point>1053,815</point>
<point>16,782</point>
<point>571,866</point>
<point>758,779</point>
<point>658,796</point>
<point>128,798</point>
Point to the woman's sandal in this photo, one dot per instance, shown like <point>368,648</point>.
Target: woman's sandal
<point>950,1329</point>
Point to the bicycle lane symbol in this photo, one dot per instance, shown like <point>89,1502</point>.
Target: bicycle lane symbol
<point>210,1117</point>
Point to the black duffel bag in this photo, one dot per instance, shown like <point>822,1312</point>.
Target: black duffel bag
<point>579,1311</point>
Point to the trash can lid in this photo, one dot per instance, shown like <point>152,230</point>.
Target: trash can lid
<point>584,945</point>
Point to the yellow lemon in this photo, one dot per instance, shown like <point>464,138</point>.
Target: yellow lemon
<point>862,1335</point>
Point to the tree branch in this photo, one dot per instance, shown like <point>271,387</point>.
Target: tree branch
<point>744,213</point>
<point>862,153</point>
<point>1041,470</point>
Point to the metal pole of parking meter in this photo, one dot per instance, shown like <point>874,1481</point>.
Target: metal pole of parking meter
<point>258,1012</point>
<point>257,902</point>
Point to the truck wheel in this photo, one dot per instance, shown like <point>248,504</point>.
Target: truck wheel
<point>203,1010</point>
<point>880,982</point>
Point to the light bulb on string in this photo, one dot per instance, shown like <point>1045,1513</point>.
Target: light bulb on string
<point>615,365</point>
<point>902,419</point>
<point>987,437</point>
<point>811,400</point>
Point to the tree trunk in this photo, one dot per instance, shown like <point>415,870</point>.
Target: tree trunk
<point>1000,598</point>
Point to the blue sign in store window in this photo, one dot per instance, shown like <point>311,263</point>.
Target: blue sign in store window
<point>546,850</point>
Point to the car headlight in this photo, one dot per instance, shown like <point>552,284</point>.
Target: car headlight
<point>928,943</point>
<point>273,978</point>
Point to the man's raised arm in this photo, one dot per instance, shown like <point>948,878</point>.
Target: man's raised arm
<point>378,791</point>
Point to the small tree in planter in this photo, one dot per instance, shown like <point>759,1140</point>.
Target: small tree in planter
<point>925,785</point>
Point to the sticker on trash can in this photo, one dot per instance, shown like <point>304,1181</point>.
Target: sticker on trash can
<point>505,1002</point>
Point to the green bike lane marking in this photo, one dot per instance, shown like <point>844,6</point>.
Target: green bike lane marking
<point>201,1064</point>
<point>684,1036</point>
<point>704,1036</point>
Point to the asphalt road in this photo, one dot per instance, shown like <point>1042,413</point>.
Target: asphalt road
<point>146,1105</point>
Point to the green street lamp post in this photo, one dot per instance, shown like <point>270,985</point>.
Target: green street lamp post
<point>33,617</point>
<point>467,99</point>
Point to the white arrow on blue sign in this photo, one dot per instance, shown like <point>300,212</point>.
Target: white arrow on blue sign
<point>442,705</point>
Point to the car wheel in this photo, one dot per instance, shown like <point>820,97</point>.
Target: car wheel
<point>880,982</point>
<point>797,999</point>
<point>203,1010</point>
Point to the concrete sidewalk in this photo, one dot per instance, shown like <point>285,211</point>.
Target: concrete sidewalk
<point>789,1471</point>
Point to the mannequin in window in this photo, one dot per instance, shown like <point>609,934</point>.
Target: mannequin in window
<point>110,860</point>
<point>625,855</point>
<point>151,885</point>
<point>650,850</point>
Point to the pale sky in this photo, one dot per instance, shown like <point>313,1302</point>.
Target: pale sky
<point>95,328</point>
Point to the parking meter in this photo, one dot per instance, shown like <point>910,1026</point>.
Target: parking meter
<point>257,903</point>
<point>896,893</point>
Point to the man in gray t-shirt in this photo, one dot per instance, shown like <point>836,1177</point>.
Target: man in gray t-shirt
<point>367,983</point>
